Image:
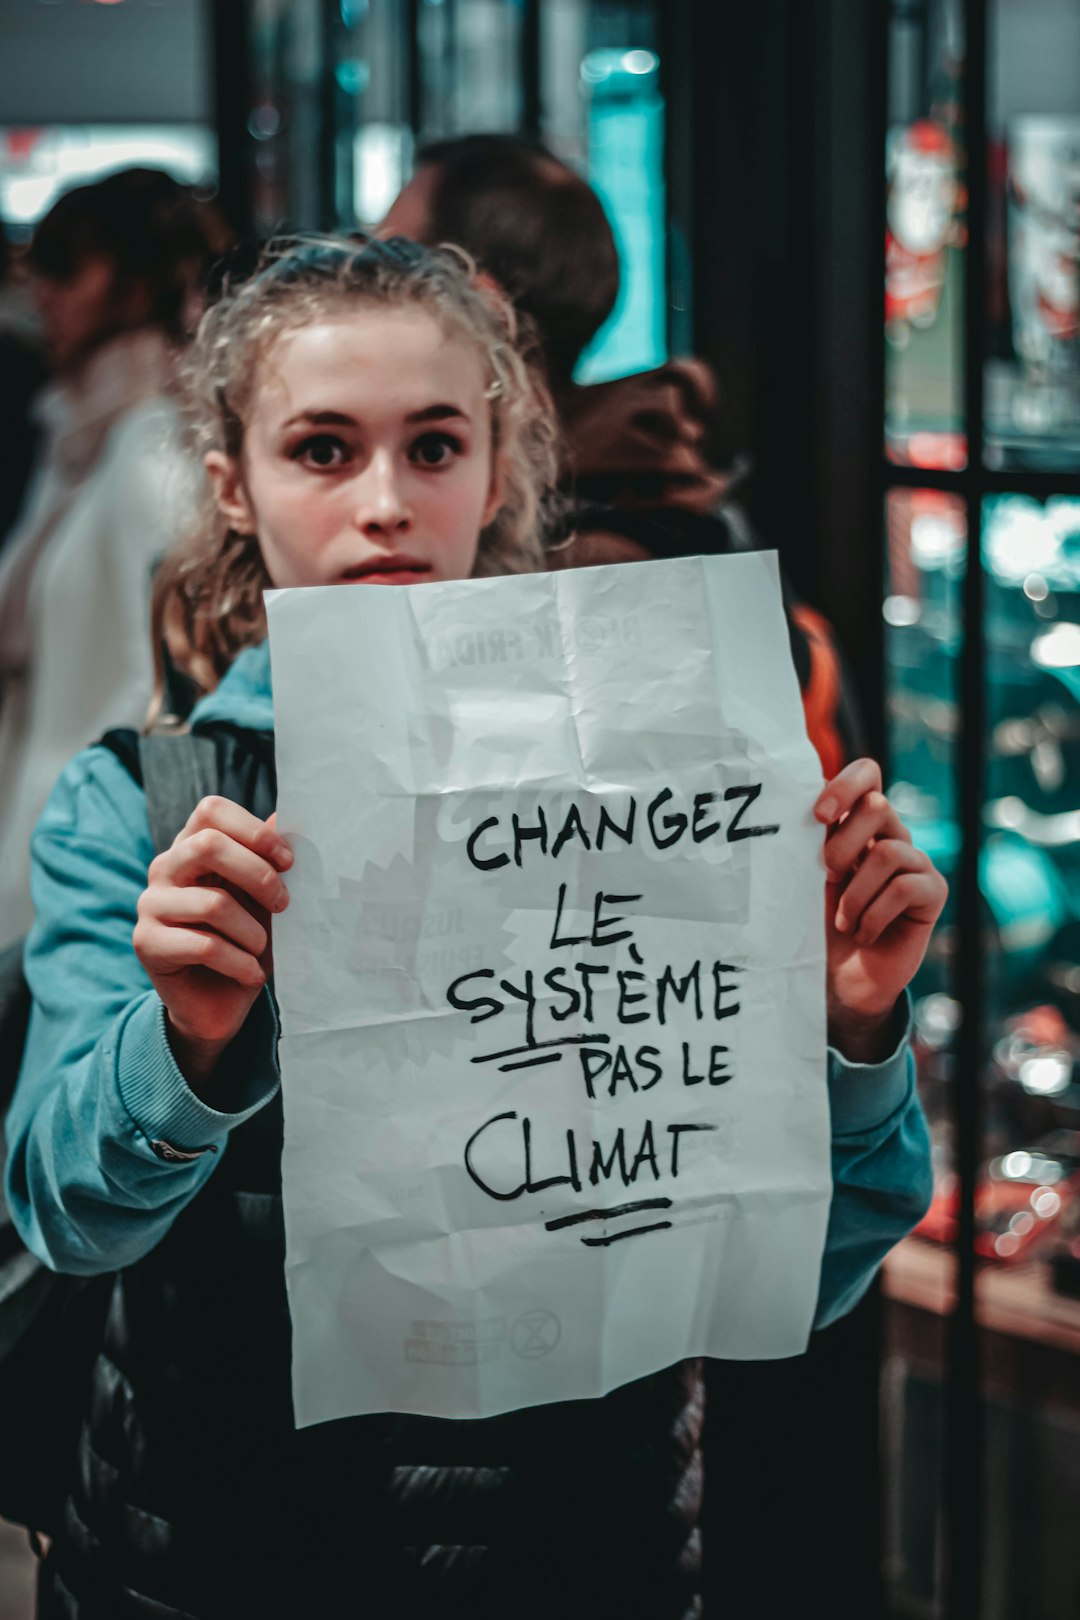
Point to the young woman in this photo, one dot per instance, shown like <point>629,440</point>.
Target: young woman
<point>365,419</point>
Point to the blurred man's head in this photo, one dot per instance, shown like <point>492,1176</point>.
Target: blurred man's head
<point>528,220</point>
<point>120,253</point>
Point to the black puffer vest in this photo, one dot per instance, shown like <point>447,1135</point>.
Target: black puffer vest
<point>193,1495</point>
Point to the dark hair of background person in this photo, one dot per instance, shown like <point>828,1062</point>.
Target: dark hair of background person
<point>152,229</point>
<point>23,371</point>
<point>535,226</point>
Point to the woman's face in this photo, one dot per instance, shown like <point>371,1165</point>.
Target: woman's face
<point>367,453</point>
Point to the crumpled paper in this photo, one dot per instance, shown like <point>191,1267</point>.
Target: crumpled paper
<point>551,984</point>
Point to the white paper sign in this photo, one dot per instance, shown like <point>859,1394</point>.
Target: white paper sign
<point>551,984</point>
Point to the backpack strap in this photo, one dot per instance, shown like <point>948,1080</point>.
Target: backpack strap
<point>178,769</point>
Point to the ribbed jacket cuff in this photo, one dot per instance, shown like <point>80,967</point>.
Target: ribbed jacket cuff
<point>863,1096</point>
<point>160,1101</point>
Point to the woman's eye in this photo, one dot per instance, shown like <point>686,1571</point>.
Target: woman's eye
<point>436,449</point>
<point>321,450</point>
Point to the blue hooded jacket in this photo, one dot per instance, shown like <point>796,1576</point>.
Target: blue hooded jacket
<point>99,1086</point>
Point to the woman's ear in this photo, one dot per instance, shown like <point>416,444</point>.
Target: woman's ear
<point>228,485</point>
<point>496,494</point>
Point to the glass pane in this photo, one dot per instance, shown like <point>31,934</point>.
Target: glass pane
<point>1031,554</point>
<point>1028,1192</point>
<point>626,169</point>
<point>925,236</point>
<point>470,66</point>
<point>925,561</point>
<point>567,29</point>
<point>603,113</point>
<point>1033,292</point>
<point>923,617</point>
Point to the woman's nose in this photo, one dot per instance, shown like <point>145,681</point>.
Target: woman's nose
<point>382,507</point>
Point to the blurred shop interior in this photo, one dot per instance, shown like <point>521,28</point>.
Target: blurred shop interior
<point>768,169</point>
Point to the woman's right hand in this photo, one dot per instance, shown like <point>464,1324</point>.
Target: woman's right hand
<point>203,933</point>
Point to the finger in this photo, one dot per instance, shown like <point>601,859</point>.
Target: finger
<point>222,815</point>
<point>914,896</point>
<point>838,796</point>
<point>210,852</point>
<point>287,856</point>
<point>873,817</point>
<point>884,861</point>
<point>166,950</point>
<point>201,907</point>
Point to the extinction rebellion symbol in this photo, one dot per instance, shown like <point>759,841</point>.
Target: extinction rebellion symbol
<point>535,1333</point>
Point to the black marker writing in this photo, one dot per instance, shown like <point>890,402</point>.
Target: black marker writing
<point>663,826</point>
<point>620,1158</point>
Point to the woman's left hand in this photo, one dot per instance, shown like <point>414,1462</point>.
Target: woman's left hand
<point>882,899</point>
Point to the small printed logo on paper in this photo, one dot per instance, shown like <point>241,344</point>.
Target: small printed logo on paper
<point>535,1333</point>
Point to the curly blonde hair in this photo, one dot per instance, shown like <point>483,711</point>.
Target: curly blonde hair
<point>208,594</point>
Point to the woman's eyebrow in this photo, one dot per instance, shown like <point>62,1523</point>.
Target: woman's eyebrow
<point>437,413</point>
<point>430,413</point>
<point>339,418</point>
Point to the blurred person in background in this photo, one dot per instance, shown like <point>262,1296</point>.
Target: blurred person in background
<point>116,268</point>
<point>22,375</point>
<point>637,478</point>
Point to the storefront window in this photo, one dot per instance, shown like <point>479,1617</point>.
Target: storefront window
<point>1009,1059</point>
<point>37,164</point>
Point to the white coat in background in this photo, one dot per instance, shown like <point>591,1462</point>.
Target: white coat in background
<point>112,493</point>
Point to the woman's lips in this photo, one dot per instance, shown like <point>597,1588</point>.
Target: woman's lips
<point>388,571</point>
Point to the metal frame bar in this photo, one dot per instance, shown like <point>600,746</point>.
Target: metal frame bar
<point>414,81</point>
<point>879,731</point>
<point>229,28</point>
<point>964,1429</point>
<point>529,67</point>
<point>329,22</point>
<point>991,481</point>
<point>676,33</point>
<point>847,401</point>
